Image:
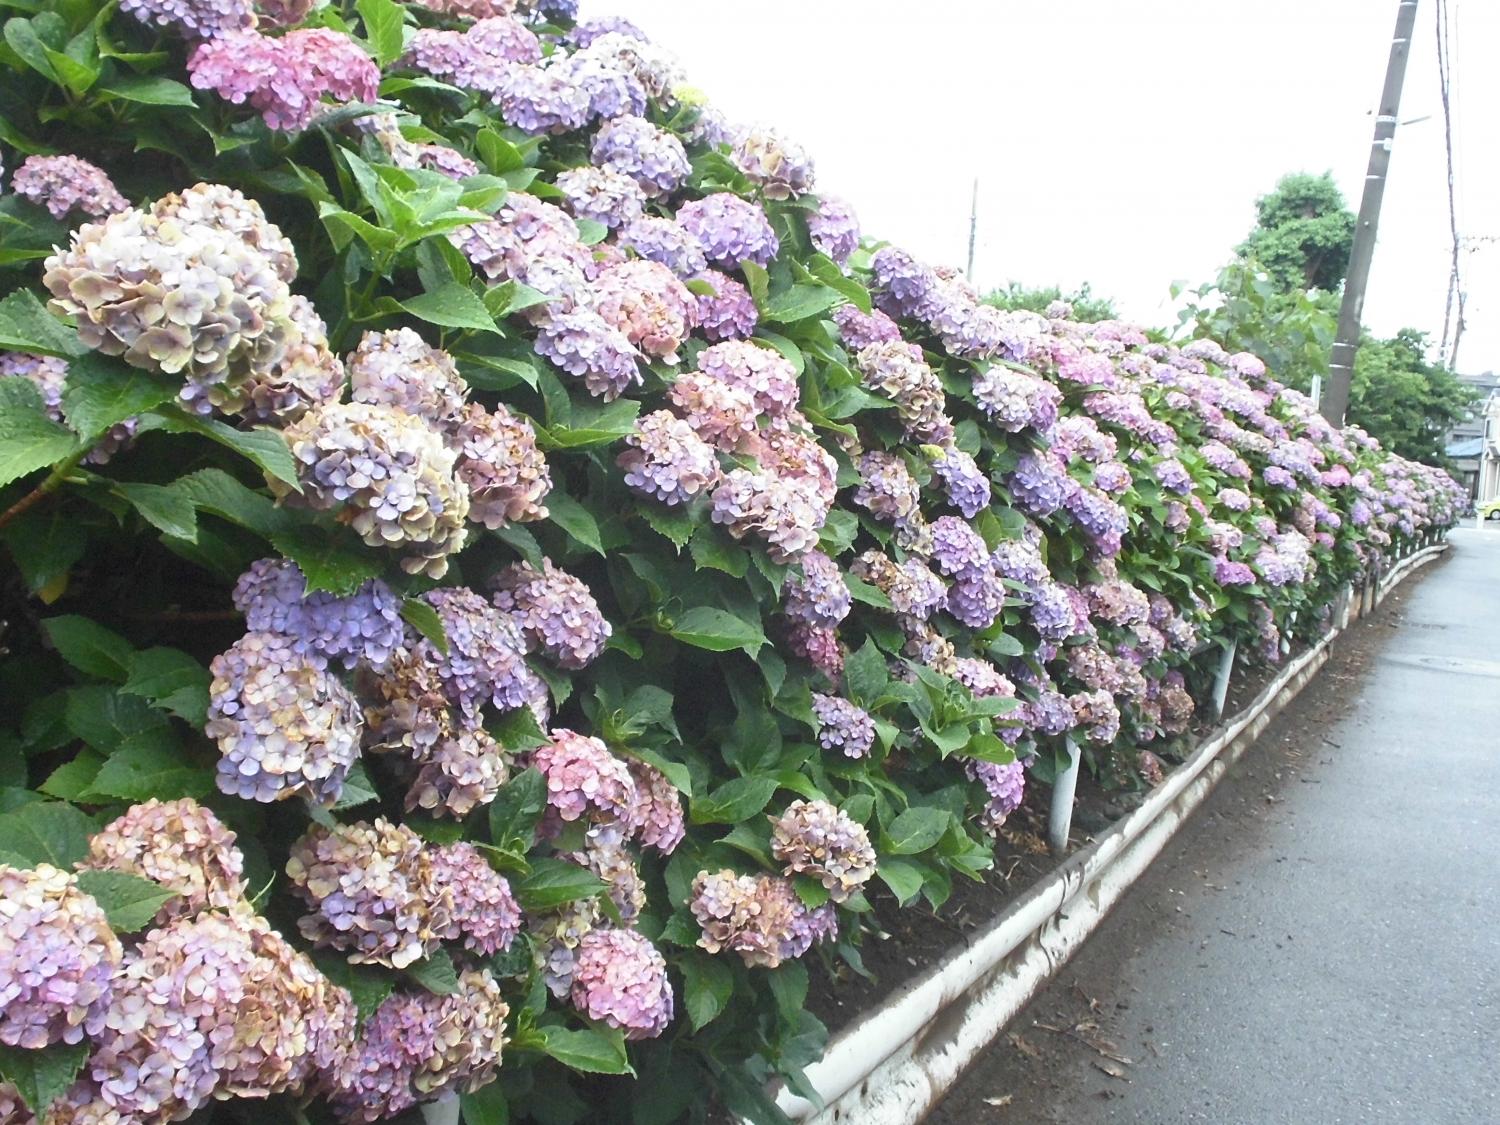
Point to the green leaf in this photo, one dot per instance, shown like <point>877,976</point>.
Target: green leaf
<point>165,507</point>
<point>511,297</point>
<point>425,620</point>
<point>902,877</point>
<point>591,233</point>
<point>128,901</point>
<point>452,306</point>
<point>144,767</point>
<point>435,973</point>
<point>22,38</point>
<point>609,423</point>
<point>42,1076</point>
<point>27,326</point>
<point>172,680</point>
<point>336,563</point>
<point>674,523</point>
<point>73,778</point>
<point>789,986</point>
<point>358,788</point>
<point>148,90</point>
<point>717,630</point>
<point>485,1106</point>
<point>102,391</point>
<point>554,882</point>
<point>711,550</point>
<point>707,985</point>
<point>734,801</point>
<point>214,490</point>
<point>104,717</point>
<point>29,440</point>
<point>45,544</point>
<point>590,1050</point>
<point>46,832</point>
<point>862,591</point>
<point>90,647</point>
<point>575,519</point>
<point>758,282</point>
<point>800,302</point>
<point>866,674</point>
<point>383,28</point>
<point>917,829</point>
<point>517,808</point>
<point>368,986</point>
<point>262,445</point>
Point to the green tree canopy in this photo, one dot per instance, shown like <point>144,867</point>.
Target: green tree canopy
<point>1405,400</point>
<point>1086,306</point>
<point>1303,233</point>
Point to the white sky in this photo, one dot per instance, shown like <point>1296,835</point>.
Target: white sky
<point>1119,142</point>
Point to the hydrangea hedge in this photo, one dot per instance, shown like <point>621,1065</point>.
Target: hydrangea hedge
<point>500,566</point>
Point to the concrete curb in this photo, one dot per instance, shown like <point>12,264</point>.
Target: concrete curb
<point>894,1063</point>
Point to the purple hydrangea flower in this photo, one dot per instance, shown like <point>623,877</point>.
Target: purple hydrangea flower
<point>287,78</point>
<point>860,330</point>
<point>584,344</point>
<point>966,487</point>
<point>904,286</point>
<point>1005,786</point>
<point>1014,400</point>
<point>584,780</point>
<point>656,812</point>
<point>731,230</point>
<point>886,487</point>
<point>543,98</point>
<point>958,549</point>
<point>484,913</point>
<point>777,166</point>
<point>843,725</point>
<point>667,460</point>
<point>665,241</point>
<point>1039,484</point>
<point>67,183</point>
<point>1173,477</point>
<point>620,978</point>
<point>652,157</point>
<point>284,725</point>
<point>601,195</point>
<point>759,917</point>
<point>816,839</point>
<point>834,229</point>
<point>501,466</point>
<point>817,595</point>
<point>194,19</point>
<point>645,301</point>
<point>729,312</point>
<point>555,611</point>
<point>765,373</point>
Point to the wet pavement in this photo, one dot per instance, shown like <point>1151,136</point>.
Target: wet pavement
<point>1321,943</point>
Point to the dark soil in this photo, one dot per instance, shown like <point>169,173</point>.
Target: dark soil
<point>1071,1027</point>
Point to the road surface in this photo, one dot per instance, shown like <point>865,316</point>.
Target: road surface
<point>1321,944</point>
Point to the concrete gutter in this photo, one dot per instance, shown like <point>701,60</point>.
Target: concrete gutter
<point>895,1062</point>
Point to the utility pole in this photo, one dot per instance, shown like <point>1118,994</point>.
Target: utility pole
<point>1346,343</point>
<point>973,228</point>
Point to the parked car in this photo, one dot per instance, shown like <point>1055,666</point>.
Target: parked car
<point>1490,509</point>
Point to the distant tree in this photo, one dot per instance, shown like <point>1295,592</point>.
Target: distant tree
<point>1303,234</point>
<point>1405,400</point>
<point>1086,306</point>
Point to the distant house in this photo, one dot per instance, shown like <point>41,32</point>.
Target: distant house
<point>1474,446</point>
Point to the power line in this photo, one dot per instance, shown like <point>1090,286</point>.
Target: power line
<point>1456,295</point>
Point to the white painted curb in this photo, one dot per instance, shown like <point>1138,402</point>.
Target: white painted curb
<point>893,1064</point>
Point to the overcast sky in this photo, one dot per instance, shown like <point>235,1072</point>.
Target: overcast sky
<point>1118,142</point>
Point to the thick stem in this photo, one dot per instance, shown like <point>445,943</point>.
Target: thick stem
<point>48,486</point>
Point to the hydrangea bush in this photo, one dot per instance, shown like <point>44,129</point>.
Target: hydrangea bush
<point>502,573</point>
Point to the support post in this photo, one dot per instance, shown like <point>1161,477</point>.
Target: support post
<point>1346,342</point>
<point>1221,678</point>
<point>1060,819</point>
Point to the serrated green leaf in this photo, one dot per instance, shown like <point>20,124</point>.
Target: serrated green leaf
<point>902,877</point>
<point>590,1050</point>
<point>383,22</point>
<point>916,830</point>
<point>674,523</point>
<point>717,630</point>
<point>262,445</point>
<point>104,718</point>
<point>129,902</point>
<point>165,507</point>
<point>590,232</point>
<point>710,550</point>
<point>89,646</point>
<point>554,882</point>
<point>734,801</point>
<point>788,984</point>
<point>800,302</point>
<point>144,767</point>
<point>516,809</point>
<point>45,544</point>
<point>214,490</point>
<point>148,89</point>
<point>102,391</point>
<point>452,306</point>
<point>575,519</point>
<point>707,985</point>
<point>336,563</point>
<point>172,680</point>
<point>435,973</point>
<point>425,620</point>
<point>29,440</point>
<point>27,326</point>
<point>72,779</point>
<point>485,1106</point>
<point>46,832</point>
<point>866,674</point>
<point>42,1076</point>
<point>597,427</point>
<point>358,788</point>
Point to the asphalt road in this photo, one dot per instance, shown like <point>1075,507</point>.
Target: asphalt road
<point>1321,944</point>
